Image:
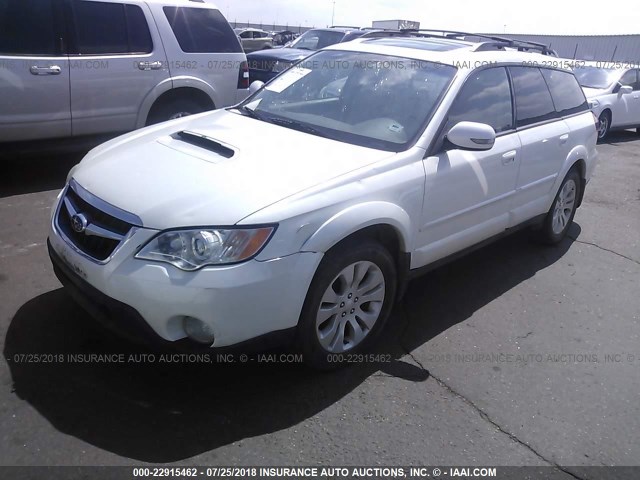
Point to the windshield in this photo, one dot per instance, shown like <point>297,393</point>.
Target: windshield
<point>365,99</point>
<point>593,77</point>
<point>316,39</point>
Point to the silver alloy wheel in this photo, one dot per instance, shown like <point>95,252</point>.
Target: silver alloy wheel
<point>604,126</point>
<point>565,203</point>
<point>350,307</point>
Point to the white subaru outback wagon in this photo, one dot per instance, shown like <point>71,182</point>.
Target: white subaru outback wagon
<point>301,213</point>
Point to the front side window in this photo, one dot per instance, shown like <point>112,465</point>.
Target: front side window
<point>110,28</point>
<point>630,79</point>
<point>365,99</point>
<point>533,100</point>
<point>485,98</point>
<point>202,30</point>
<point>566,93</point>
<point>27,27</point>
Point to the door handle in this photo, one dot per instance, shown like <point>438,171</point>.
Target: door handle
<point>149,65</point>
<point>50,70</point>
<point>509,157</point>
<point>564,138</point>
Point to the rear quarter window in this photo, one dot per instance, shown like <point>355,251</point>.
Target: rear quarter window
<point>566,92</point>
<point>202,30</point>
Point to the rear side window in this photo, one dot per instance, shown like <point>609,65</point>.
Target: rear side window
<point>533,100</point>
<point>26,27</point>
<point>110,28</point>
<point>565,91</point>
<point>202,30</point>
<point>485,98</point>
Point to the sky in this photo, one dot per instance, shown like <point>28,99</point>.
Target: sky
<point>561,17</point>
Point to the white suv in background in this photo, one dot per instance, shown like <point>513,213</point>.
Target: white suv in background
<point>613,91</point>
<point>91,67</point>
<point>301,213</point>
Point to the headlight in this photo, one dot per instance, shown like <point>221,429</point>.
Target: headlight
<point>195,248</point>
<point>280,66</point>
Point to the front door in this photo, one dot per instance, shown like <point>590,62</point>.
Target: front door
<point>34,71</point>
<point>468,193</point>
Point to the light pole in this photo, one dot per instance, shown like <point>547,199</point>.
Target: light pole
<point>333,12</point>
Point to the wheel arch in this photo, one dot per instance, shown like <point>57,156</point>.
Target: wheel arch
<point>367,217</point>
<point>181,87</point>
<point>386,223</point>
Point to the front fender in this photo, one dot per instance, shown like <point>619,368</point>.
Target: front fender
<point>356,218</point>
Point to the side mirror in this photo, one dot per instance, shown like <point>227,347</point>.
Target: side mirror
<point>472,136</point>
<point>625,90</point>
<point>255,86</point>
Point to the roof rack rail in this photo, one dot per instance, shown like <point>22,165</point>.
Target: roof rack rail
<point>379,33</point>
<point>344,26</point>
<point>494,43</point>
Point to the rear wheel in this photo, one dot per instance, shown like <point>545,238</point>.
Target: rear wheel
<point>172,109</point>
<point>560,216</point>
<point>347,305</point>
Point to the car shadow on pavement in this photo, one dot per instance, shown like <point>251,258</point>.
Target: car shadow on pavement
<point>621,136</point>
<point>38,166</point>
<point>166,412</point>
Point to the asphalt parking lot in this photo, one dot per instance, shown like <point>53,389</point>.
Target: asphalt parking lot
<point>519,354</point>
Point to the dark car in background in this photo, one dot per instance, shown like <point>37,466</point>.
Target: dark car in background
<point>266,64</point>
<point>284,37</point>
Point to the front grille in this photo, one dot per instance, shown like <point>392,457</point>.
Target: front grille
<point>104,231</point>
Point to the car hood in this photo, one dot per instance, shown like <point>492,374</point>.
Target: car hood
<point>285,53</point>
<point>169,183</point>
<point>593,92</point>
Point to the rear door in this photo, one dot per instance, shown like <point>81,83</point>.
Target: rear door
<point>545,142</point>
<point>116,60</point>
<point>34,71</point>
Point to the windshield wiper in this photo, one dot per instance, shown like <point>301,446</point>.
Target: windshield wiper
<point>301,127</point>
<point>250,112</point>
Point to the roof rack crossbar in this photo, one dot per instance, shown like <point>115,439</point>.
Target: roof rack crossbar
<point>495,42</point>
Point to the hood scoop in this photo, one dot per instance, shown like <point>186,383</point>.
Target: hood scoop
<point>202,141</point>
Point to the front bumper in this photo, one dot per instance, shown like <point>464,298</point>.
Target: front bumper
<point>147,299</point>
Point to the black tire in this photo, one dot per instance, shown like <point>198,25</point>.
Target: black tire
<point>173,109</point>
<point>332,265</point>
<point>548,233</point>
<point>605,125</point>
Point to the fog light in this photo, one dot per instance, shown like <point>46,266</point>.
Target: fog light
<point>198,331</point>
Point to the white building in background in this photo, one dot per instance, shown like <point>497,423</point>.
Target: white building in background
<point>395,24</point>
